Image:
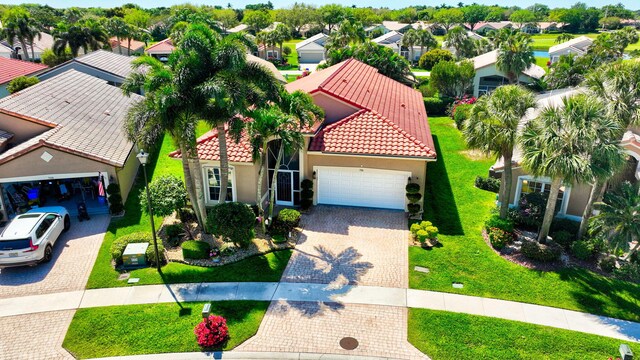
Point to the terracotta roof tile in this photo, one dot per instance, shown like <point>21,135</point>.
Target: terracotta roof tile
<point>162,47</point>
<point>208,148</point>
<point>12,68</point>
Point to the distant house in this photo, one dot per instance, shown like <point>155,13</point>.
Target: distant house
<point>268,52</point>
<point>577,46</point>
<point>5,51</point>
<point>66,138</point>
<point>434,28</point>
<point>123,47</point>
<point>106,65</point>
<point>237,29</point>
<point>488,77</point>
<point>387,26</point>
<point>44,42</point>
<point>393,40</point>
<point>483,28</point>
<point>13,68</point>
<point>547,26</point>
<point>311,50</point>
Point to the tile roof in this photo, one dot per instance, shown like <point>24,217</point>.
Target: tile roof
<point>319,38</point>
<point>85,113</point>
<point>392,37</point>
<point>5,136</point>
<point>394,25</point>
<point>135,44</point>
<point>208,148</point>
<point>162,47</point>
<point>579,43</point>
<point>491,58</point>
<point>363,86</point>
<point>369,133</point>
<point>12,68</point>
<point>114,63</point>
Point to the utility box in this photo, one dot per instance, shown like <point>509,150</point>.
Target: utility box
<point>134,255</point>
<point>625,352</point>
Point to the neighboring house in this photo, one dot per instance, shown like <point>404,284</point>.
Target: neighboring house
<point>483,28</point>
<point>164,48</point>
<point>546,26</point>
<point>488,77</point>
<point>67,138</point>
<point>573,198</point>
<point>237,29</point>
<point>5,51</point>
<point>434,28</point>
<point>39,46</point>
<point>311,50</point>
<point>395,26</point>
<point>105,65</point>
<point>122,47</point>
<point>393,40</point>
<point>268,52</point>
<point>577,46</point>
<point>376,29</point>
<point>13,68</point>
<point>374,139</point>
<point>470,34</point>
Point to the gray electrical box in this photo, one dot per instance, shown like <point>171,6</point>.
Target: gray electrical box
<point>134,255</point>
<point>625,352</point>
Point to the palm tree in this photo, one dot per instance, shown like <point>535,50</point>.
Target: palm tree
<point>348,32</point>
<point>568,71</point>
<point>409,40</point>
<point>117,27</point>
<point>564,37</point>
<point>425,39</point>
<point>458,39</point>
<point>619,218</point>
<point>559,145</point>
<point>515,55</point>
<point>493,128</point>
<point>17,24</point>
<point>86,35</point>
<point>281,34</point>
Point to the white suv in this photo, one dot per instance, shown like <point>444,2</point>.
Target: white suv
<point>29,238</point>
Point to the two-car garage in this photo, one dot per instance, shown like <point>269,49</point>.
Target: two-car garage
<point>359,186</point>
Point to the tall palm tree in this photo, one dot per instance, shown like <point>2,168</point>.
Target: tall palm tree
<point>117,27</point>
<point>458,39</point>
<point>17,24</point>
<point>493,128</point>
<point>348,32</point>
<point>515,55</point>
<point>409,40</point>
<point>281,34</point>
<point>619,218</point>
<point>564,37</point>
<point>86,35</point>
<point>425,39</point>
<point>559,145</point>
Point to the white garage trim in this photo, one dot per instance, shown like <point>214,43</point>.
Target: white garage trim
<point>56,176</point>
<point>364,187</point>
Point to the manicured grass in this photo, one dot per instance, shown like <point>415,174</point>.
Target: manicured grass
<point>459,209</point>
<point>545,41</point>
<point>542,62</point>
<point>445,335</point>
<point>259,268</point>
<point>155,328</point>
<point>292,59</point>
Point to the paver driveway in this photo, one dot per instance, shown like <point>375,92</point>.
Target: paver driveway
<point>341,246</point>
<point>73,257</point>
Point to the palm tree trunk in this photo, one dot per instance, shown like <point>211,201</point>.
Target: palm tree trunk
<point>119,45</point>
<point>505,185</point>
<point>263,160</point>
<point>24,50</point>
<point>33,53</point>
<point>188,180</point>
<point>550,211</point>
<point>198,185</point>
<point>597,191</point>
<point>224,162</point>
<point>281,54</point>
<point>274,180</point>
<point>129,47</point>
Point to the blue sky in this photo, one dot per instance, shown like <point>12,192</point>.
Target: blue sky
<point>631,4</point>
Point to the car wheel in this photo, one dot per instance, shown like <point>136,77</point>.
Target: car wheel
<point>67,223</point>
<point>48,254</point>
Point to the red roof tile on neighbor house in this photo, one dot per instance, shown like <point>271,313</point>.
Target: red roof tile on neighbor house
<point>368,133</point>
<point>208,148</point>
<point>164,46</point>
<point>12,68</point>
<point>363,86</point>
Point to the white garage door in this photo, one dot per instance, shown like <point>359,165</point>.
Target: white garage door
<point>362,187</point>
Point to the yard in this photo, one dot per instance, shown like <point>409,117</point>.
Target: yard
<point>545,41</point>
<point>155,328</point>
<point>459,209</point>
<point>267,267</point>
<point>292,59</point>
<point>446,335</point>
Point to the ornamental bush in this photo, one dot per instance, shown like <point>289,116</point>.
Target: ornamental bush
<point>432,57</point>
<point>541,252</point>
<point>564,238</point>
<point>461,114</point>
<point>495,221</point>
<point>413,208</point>
<point>195,249</point>
<point>583,250</point>
<point>212,332</point>
<point>424,230</point>
<point>422,235</point>
<point>119,244</point>
<point>488,183</point>
<point>570,226</point>
<point>414,197</point>
<point>168,194</point>
<point>412,188</point>
<point>499,238</point>
<point>233,221</point>
<point>21,83</point>
<point>286,220</point>
<point>607,263</point>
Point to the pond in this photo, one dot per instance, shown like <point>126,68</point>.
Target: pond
<point>541,54</point>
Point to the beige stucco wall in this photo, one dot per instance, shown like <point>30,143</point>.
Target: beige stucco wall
<point>22,129</point>
<point>491,70</point>
<point>334,109</point>
<point>246,181</point>
<point>126,175</point>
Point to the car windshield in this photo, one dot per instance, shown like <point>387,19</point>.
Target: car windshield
<point>14,244</point>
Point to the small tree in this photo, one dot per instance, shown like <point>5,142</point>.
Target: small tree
<point>21,83</point>
<point>233,221</point>
<point>429,59</point>
<point>451,79</point>
<point>168,194</point>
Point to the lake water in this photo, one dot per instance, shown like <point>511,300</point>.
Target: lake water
<point>541,54</point>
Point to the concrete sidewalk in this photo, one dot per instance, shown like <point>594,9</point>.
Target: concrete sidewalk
<point>245,355</point>
<point>372,295</point>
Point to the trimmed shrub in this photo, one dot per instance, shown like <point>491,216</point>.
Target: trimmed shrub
<point>113,188</point>
<point>582,250</point>
<point>430,58</point>
<point>414,197</point>
<point>531,208</point>
<point>115,204</point>
<point>437,106</point>
<point>212,332</point>
<point>564,238</point>
<point>424,229</point>
<point>233,221</point>
<point>607,263</point>
<point>499,238</point>
<point>413,208</point>
<point>306,194</point>
<point>415,228</point>
<point>195,249</point>
<point>119,244</point>
<point>168,194</point>
<point>174,232</point>
<point>495,221</point>
<point>488,184</point>
<point>572,227</point>
<point>628,272</point>
<point>541,252</point>
<point>286,220</point>
<point>422,235</point>
<point>461,114</point>
<point>151,254</point>
<point>412,188</point>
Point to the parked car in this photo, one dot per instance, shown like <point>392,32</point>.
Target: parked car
<point>29,237</point>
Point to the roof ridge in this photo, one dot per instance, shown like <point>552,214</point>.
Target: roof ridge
<point>159,42</point>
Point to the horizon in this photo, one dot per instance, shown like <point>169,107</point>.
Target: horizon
<point>286,3</point>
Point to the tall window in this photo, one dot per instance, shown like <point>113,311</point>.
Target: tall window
<point>530,186</point>
<point>213,181</point>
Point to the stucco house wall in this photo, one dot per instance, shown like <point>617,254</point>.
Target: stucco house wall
<point>22,130</point>
<point>491,70</point>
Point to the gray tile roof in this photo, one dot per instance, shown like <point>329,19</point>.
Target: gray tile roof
<point>5,136</point>
<point>85,113</point>
<point>108,61</point>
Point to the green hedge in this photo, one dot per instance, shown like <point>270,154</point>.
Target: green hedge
<point>437,106</point>
<point>194,249</point>
<point>120,244</point>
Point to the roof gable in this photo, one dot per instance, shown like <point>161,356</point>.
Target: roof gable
<point>12,68</point>
<point>490,58</point>
<point>120,65</point>
<point>580,43</point>
<point>392,37</point>
<point>163,47</point>
<point>208,148</point>
<point>319,39</point>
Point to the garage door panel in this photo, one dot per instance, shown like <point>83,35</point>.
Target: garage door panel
<point>362,187</point>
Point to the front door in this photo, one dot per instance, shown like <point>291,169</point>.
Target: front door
<point>284,188</point>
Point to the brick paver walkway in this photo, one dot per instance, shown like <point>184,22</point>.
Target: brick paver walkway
<point>355,246</point>
<point>73,257</point>
<point>35,336</point>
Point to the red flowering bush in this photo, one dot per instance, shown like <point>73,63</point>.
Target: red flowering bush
<point>212,331</point>
<point>465,100</point>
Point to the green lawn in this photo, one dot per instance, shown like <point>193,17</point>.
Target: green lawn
<point>267,267</point>
<point>292,59</point>
<point>155,328</point>
<point>459,210</point>
<point>445,335</point>
<point>542,62</point>
<point>545,41</point>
